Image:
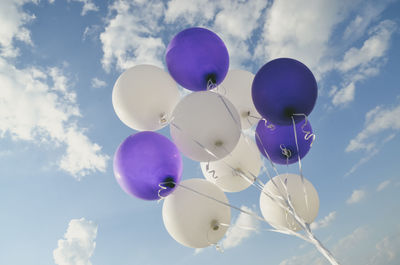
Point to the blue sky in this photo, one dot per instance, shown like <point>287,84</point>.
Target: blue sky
<point>59,201</point>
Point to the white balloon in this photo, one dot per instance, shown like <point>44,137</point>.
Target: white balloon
<point>144,97</point>
<point>280,218</point>
<point>237,88</point>
<point>205,126</point>
<point>193,219</point>
<point>245,158</point>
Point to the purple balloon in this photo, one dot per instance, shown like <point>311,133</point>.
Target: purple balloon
<point>146,160</point>
<point>284,87</point>
<point>196,56</point>
<point>273,140</point>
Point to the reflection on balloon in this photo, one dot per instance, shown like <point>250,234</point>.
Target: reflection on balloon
<point>144,97</point>
<point>147,165</point>
<point>279,141</point>
<point>195,57</point>
<point>206,126</point>
<point>194,220</point>
<point>304,199</point>
<point>237,170</point>
<point>284,87</point>
<point>237,88</point>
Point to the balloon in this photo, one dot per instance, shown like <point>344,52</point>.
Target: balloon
<point>284,87</point>
<point>146,164</point>
<point>144,97</point>
<point>245,158</point>
<point>237,88</point>
<point>280,218</point>
<point>206,126</point>
<point>194,220</point>
<point>196,56</point>
<point>279,142</point>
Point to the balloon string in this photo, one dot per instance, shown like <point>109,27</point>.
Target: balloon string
<point>307,134</point>
<point>222,202</point>
<point>211,85</point>
<point>300,167</point>
<point>289,206</point>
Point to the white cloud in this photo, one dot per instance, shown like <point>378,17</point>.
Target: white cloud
<point>368,12</point>
<point>191,11</point>
<point>374,47</point>
<point>132,35</point>
<point>244,226</point>
<point>293,29</point>
<point>342,251</point>
<point>37,105</point>
<point>324,222</point>
<point>364,62</point>
<point>356,196</point>
<point>383,185</point>
<point>235,23</point>
<point>377,121</point>
<point>88,5</point>
<point>78,243</point>
<point>97,83</point>
<point>13,20</point>
<point>362,161</point>
<point>387,250</point>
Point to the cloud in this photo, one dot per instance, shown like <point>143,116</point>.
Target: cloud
<point>235,23</point>
<point>191,11</point>
<point>132,35</point>
<point>356,196</point>
<point>13,20</point>
<point>78,243</point>
<point>374,47</point>
<point>387,250</point>
<point>244,226</point>
<point>97,83</point>
<point>383,185</point>
<point>364,62</point>
<point>324,222</point>
<point>38,106</point>
<point>377,121</point>
<point>300,31</point>
<point>362,161</point>
<point>342,250</point>
<point>88,5</point>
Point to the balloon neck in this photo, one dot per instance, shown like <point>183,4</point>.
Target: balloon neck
<point>245,114</point>
<point>211,80</point>
<point>218,143</point>
<point>289,111</point>
<point>214,225</point>
<point>163,118</point>
<point>169,182</point>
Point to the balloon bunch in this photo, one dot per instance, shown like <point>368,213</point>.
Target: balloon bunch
<point>208,126</point>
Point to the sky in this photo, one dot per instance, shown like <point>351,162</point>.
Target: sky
<point>59,59</point>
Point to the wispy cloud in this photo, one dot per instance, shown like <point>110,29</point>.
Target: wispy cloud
<point>132,35</point>
<point>378,120</point>
<point>38,105</point>
<point>244,226</point>
<point>97,83</point>
<point>88,5</point>
<point>356,196</point>
<point>341,250</point>
<point>324,222</point>
<point>361,63</point>
<point>14,20</point>
<point>372,137</point>
<point>78,243</point>
<point>383,185</point>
